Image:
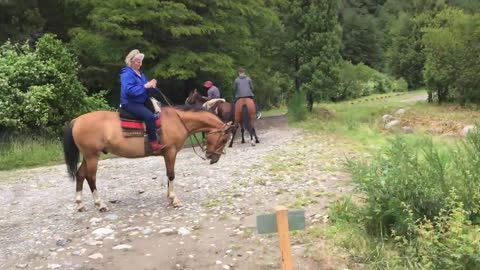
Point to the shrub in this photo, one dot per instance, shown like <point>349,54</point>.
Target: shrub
<point>296,107</point>
<point>39,88</point>
<point>360,80</point>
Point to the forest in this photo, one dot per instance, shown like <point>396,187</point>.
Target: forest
<point>61,58</point>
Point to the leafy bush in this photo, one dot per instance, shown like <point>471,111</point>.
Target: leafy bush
<point>425,196</point>
<point>360,80</point>
<point>448,242</point>
<point>296,107</point>
<point>39,88</point>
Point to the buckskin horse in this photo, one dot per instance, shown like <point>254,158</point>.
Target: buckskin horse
<point>245,116</point>
<point>101,131</point>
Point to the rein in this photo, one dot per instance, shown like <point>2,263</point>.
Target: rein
<point>188,131</point>
<point>185,126</point>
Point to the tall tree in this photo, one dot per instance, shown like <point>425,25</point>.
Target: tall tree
<point>362,40</point>
<point>183,40</point>
<point>314,46</point>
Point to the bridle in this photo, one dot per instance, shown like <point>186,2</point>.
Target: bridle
<point>202,146</point>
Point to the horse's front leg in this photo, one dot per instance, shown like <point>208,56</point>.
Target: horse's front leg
<point>170,165</point>
<point>233,135</point>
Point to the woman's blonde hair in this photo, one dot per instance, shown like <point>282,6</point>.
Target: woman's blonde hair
<point>132,55</point>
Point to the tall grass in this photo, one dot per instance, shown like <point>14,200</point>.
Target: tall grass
<point>423,198</point>
<point>29,152</point>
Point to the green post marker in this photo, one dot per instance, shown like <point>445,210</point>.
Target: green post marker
<point>266,223</point>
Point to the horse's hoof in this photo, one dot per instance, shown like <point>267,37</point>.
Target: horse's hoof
<point>103,209</point>
<point>176,203</point>
<point>243,141</point>
<point>81,209</point>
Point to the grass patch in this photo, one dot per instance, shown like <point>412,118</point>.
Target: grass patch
<point>210,203</point>
<point>22,152</point>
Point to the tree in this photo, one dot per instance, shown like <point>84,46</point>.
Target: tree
<point>314,47</point>
<point>362,41</point>
<point>452,62</point>
<point>184,41</point>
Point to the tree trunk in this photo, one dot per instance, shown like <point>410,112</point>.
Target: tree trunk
<point>310,101</point>
<point>297,80</point>
<point>430,96</point>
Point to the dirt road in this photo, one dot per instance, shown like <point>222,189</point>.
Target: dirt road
<point>215,229</point>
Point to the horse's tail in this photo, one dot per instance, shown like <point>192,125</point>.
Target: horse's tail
<point>70,151</point>
<point>245,118</point>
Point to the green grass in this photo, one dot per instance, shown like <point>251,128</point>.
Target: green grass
<point>22,153</point>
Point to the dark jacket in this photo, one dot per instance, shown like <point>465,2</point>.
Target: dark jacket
<point>242,87</point>
<point>132,88</point>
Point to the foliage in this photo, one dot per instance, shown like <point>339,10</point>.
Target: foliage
<point>360,80</point>
<point>185,42</point>
<point>296,107</point>
<point>39,88</point>
<point>449,241</point>
<point>426,197</point>
<point>313,47</point>
<point>451,49</point>
<point>362,40</point>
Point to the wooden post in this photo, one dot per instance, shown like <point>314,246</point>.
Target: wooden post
<point>284,242</point>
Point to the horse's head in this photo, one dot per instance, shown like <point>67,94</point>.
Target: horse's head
<point>193,98</point>
<point>216,141</point>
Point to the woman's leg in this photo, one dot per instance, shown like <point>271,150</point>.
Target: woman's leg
<point>144,114</point>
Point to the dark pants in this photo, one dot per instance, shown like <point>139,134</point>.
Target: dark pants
<point>254,101</point>
<point>144,114</point>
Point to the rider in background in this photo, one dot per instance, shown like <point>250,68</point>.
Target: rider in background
<point>213,95</point>
<point>243,87</point>
<point>133,95</point>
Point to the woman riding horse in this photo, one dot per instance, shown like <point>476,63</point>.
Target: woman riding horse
<point>96,132</point>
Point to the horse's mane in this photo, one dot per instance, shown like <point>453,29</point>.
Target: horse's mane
<point>190,108</point>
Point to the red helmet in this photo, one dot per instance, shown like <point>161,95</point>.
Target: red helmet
<point>208,84</point>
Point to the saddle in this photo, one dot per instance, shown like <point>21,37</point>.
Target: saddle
<point>134,127</point>
<point>213,105</point>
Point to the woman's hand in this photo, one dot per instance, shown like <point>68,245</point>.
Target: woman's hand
<point>151,84</point>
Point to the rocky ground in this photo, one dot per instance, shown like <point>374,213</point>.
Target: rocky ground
<point>215,229</point>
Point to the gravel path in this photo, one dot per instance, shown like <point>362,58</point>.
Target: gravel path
<point>215,229</point>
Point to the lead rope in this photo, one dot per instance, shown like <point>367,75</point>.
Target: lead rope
<point>188,131</point>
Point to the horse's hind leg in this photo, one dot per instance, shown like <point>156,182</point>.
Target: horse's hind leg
<point>80,177</point>
<point>92,163</point>
<point>243,133</point>
<point>255,134</point>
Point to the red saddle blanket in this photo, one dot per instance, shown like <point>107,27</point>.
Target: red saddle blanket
<point>137,124</point>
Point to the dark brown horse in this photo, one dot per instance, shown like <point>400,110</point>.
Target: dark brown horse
<point>224,110</point>
<point>245,117</point>
<point>96,132</point>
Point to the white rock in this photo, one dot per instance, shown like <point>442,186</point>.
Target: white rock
<point>387,118</point>
<point>122,247</point>
<point>400,111</point>
<point>96,256</point>
<point>226,267</point>
<point>54,266</point>
<point>166,231</point>
<point>218,262</point>
<point>392,124</point>
<point>95,220</point>
<point>147,231</point>
<point>183,231</point>
<point>21,265</point>
<point>466,130</point>
<point>111,217</point>
<point>102,232</point>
